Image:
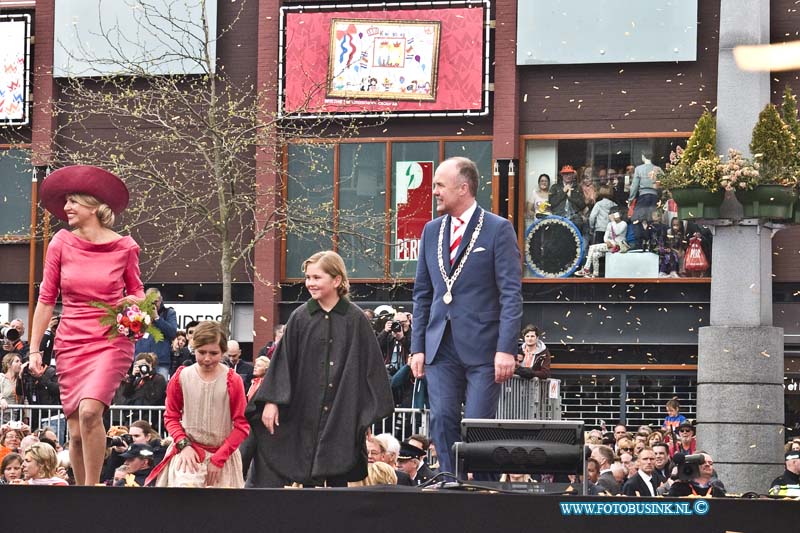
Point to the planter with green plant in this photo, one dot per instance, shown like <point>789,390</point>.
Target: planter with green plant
<point>692,175</point>
<point>771,192</point>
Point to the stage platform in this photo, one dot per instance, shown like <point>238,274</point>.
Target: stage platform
<point>373,510</point>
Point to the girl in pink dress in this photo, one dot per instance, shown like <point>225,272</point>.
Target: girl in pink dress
<point>89,263</point>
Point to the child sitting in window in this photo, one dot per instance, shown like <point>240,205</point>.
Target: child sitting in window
<point>613,241</point>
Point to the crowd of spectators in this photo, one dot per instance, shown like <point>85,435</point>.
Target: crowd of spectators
<point>662,461</point>
<point>650,461</point>
<point>646,220</point>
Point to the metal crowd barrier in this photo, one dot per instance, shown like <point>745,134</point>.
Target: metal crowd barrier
<point>530,399</point>
<point>403,423</point>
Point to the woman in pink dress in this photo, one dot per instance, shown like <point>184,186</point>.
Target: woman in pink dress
<point>89,263</point>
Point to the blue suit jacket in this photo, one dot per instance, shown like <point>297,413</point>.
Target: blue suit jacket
<point>486,310</point>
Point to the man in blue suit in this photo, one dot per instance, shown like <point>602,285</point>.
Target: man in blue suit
<point>467,306</point>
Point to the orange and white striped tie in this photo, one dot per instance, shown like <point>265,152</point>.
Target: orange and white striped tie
<point>456,233</point>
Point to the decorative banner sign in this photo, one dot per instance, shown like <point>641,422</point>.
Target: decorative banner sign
<point>14,68</point>
<point>413,203</point>
<point>189,312</point>
<point>393,62</point>
<point>383,59</point>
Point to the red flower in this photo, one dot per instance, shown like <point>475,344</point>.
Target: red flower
<point>125,321</point>
<point>136,326</point>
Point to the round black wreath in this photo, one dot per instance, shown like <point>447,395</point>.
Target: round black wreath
<point>553,247</point>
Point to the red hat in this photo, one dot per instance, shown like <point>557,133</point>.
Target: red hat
<point>567,169</point>
<point>82,179</point>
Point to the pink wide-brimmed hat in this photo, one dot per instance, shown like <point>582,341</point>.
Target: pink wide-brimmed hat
<point>82,179</point>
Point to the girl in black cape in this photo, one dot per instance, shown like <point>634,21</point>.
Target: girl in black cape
<point>325,386</point>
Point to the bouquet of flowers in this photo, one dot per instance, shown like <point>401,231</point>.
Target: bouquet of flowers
<point>131,320</point>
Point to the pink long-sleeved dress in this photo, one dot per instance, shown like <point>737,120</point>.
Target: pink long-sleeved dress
<point>88,364</point>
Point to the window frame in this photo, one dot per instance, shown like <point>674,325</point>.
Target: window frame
<point>23,237</point>
<point>388,141</point>
<point>517,196</point>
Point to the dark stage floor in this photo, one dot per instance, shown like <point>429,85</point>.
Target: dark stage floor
<point>371,510</point>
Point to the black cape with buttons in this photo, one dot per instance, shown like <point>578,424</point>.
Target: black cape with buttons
<point>328,378</point>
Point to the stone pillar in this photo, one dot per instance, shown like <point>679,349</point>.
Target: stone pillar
<point>740,95</point>
<point>740,366</point>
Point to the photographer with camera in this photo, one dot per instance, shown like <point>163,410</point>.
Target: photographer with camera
<point>167,321</point>
<point>12,333</point>
<point>48,341</point>
<point>695,476</point>
<point>140,433</point>
<point>40,387</point>
<point>395,342</point>
<point>143,386</point>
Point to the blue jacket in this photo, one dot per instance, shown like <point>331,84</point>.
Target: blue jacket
<point>486,309</point>
<point>167,322</point>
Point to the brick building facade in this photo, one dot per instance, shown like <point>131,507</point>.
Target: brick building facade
<point>627,344</point>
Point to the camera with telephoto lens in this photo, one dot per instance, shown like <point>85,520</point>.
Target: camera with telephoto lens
<point>397,326</point>
<point>10,333</point>
<point>144,369</point>
<point>123,440</point>
<point>688,466</point>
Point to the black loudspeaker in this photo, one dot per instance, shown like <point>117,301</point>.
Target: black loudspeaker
<point>520,457</point>
<point>520,446</point>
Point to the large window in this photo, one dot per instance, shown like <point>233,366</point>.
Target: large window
<point>603,168</point>
<point>15,203</point>
<point>355,191</point>
<point>362,207</point>
<point>309,189</point>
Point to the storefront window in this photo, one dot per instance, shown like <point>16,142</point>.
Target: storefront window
<point>361,222</point>
<point>481,153</point>
<point>603,171</point>
<point>310,196</point>
<point>362,208</point>
<point>15,175</point>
